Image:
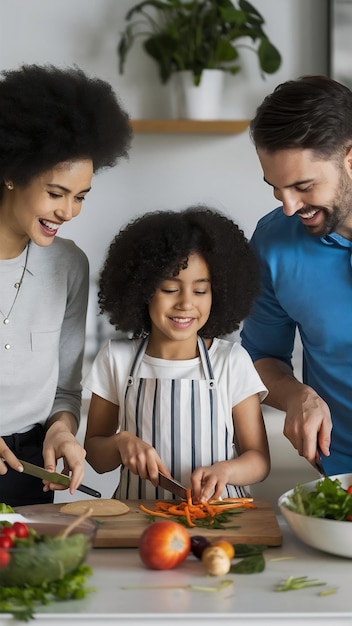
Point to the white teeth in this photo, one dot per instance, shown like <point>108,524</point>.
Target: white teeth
<point>182,320</point>
<point>309,214</point>
<point>49,225</point>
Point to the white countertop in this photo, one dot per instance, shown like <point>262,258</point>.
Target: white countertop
<point>250,601</point>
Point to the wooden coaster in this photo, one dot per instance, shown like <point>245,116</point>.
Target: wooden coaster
<point>101,508</point>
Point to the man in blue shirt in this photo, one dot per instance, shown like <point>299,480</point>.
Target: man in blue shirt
<point>303,136</point>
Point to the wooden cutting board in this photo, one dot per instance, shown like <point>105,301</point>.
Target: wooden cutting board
<point>254,526</point>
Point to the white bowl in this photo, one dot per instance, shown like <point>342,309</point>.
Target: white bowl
<point>327,535</point>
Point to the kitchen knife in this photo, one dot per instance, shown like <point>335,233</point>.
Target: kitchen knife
<point>318,463</point>
<point>54,477</point>
<point>172,485</point>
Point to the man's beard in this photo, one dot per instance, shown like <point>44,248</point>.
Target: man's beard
<point>340,211</point>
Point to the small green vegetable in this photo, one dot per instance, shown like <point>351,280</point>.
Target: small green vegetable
<point>301,582</point>
<point>5,508</point>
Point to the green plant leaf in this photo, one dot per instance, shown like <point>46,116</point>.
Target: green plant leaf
<point>248,549</point>
<point>251,12</point>
<point>269,57</point>
<point>249,565</point>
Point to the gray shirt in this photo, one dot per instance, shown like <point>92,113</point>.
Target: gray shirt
<point>40,367</point>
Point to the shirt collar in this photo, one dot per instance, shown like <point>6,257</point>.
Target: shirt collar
<point>335,238</point>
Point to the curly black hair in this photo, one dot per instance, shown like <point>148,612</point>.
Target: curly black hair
<point>156,245</point>
<point>50,115</point>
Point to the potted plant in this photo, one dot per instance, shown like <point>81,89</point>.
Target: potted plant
<point>197,35</point>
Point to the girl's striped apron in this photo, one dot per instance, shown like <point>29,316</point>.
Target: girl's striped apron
<point>180,419</point>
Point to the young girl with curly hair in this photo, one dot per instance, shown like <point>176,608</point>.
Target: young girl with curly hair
<point>176,397</point>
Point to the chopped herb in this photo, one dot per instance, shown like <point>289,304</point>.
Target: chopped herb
<point>219,522</point>
<point>219,587</point>
<point>301,582</point>
<point>327,592</point>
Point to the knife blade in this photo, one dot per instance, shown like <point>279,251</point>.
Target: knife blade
<point>55,477</point>
<point>172,485</point>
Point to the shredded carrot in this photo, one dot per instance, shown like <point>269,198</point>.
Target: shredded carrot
<point>209,509</point>
<point>193,512</point>
<point>150,512</point>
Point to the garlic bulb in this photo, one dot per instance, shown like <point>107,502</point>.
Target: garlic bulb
<point>216,561</point>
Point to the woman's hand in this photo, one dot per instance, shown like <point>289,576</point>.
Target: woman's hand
<point>60,443</point>
<point>8,458</point>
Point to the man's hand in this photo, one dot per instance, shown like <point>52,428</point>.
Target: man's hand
<point>308,423</point>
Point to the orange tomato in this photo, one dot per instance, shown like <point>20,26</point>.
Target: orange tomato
<point>226,546</point>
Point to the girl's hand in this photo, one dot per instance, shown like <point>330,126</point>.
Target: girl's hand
<point>210,482</point>
<point>140,457</point>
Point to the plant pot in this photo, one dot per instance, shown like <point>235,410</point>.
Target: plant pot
<point>202,102</point>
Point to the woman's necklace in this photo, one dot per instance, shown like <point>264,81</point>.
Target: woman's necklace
<point>17,286</point>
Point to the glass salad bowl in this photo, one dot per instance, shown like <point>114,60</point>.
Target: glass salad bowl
<point>38,552</point>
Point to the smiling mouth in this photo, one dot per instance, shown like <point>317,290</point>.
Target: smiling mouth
<point>308,214</point>
<point>181,320</point>
<point>49,227</point>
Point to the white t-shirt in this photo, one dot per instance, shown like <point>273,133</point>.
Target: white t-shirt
<point>233,369</point>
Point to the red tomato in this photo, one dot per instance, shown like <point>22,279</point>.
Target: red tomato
<point>5,542</point>
<point>349,489</point>
<point>8,531</point>
<point>4,558</point>
<point>21,530</point>
<point>164,545</point>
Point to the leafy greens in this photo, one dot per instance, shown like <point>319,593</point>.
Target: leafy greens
<point>328,500</point>
<point>22,601</point>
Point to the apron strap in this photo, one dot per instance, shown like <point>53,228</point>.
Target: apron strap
<point>137,360</point>
<point>204,355</point>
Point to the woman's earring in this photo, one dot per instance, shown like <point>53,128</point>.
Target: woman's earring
<point>9,186</point>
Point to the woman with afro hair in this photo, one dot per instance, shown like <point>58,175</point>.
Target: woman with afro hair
<point>57,128</point>
<point>175,397</point>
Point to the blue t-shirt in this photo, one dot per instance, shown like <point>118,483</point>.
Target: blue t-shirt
<point>307,284</point>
